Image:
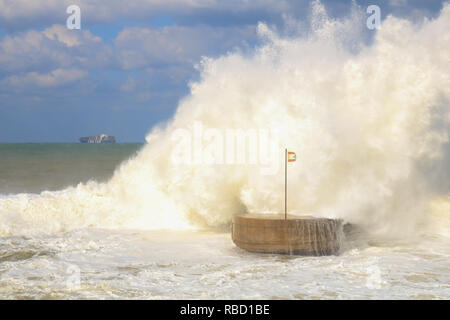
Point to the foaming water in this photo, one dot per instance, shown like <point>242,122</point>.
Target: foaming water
<point>359,122</point>
<point>199,265</point>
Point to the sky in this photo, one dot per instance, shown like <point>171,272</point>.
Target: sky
<point>132,61</point>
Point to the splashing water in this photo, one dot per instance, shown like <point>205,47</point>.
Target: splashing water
<point>369,124</point>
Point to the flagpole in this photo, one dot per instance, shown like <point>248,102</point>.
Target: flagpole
<point>285,184</point>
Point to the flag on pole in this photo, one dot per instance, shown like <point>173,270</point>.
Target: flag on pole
<point>292,156</point>
<point>288,157</point>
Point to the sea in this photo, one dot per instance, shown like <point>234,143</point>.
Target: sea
<point>91,262</point>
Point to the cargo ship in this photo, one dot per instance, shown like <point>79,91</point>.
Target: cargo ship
<point>103,138</point>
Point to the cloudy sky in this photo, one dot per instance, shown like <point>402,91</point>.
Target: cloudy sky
<point>131,62</point>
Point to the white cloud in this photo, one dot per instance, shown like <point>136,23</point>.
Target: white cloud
<point>20,13</point>
<point>53,48</point>
<point>142,47</point>
<point>397,3</point>
<point>56,55</point>
<point>70,37</point>
<point>54,78</point>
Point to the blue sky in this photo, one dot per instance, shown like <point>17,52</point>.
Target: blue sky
<point>131,62</point>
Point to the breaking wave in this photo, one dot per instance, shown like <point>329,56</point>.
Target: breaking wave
<point>368,120</point>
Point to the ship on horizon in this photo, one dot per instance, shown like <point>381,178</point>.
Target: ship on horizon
<point>103,138</point>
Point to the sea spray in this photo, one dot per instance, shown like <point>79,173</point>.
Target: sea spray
<point>360,117</point>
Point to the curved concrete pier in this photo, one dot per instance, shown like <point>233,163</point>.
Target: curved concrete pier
<point>272,233</point>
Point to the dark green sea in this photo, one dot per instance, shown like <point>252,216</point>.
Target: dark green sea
<point>36,167</point>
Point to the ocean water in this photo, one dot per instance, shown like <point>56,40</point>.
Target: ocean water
<point>368,121</point>
<point>125,263</point>
<point>37,167</point>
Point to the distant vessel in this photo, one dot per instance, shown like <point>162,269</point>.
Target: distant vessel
<point>103,138</point>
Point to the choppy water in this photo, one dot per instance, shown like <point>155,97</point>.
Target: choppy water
<point>160,264</point>
<point>201,265</point>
